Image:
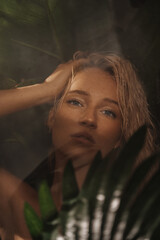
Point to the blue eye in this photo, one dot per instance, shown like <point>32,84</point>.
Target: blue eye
<point>74,102</point>
<point>109,113</point>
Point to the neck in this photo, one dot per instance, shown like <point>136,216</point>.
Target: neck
<point>81,166</point>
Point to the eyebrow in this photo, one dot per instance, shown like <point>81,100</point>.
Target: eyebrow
<point>81,92</point>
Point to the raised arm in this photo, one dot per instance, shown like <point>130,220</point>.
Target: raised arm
<point>13,193</point>
<point>13,100</point>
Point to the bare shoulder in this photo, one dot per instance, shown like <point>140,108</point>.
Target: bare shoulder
<point>14,193</point>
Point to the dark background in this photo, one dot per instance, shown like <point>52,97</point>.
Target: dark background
<point>37,35</point>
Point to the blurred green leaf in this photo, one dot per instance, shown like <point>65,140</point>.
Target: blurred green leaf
<point>156,233</point>
<point>69,186</point>
<point>46,235</point>
<point>130,190</point>
<point>70,193</point>
<point>109,206</point>
<point>33,222</point>
<point>82,217</point>
<point>92,184</point>
<point>36,48</point>
<point>47,206</point>
<point>88,185</point>
<point>147,224</point>
<point>142,203</point>
<point>119,172</point>
<point>22,12</point>
<point>6,82</point>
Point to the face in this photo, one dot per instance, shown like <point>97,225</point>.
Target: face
<point>89,118</point>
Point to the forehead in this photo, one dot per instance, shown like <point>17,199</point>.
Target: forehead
<point>96,82</point>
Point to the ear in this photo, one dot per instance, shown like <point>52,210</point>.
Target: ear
<point>50,119</point>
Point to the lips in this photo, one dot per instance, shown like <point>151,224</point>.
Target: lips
<point>83,137</point>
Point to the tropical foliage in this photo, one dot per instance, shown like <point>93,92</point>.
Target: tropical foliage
<point>35,36</point>
<point>115,202</point>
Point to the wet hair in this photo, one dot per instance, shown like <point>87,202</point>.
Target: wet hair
<point>131,96</point>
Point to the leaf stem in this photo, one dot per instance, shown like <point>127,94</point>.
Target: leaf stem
<point>36,48</point>
<point>53,29</point>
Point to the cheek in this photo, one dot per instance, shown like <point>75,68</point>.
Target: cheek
<point>62,126</point>
<point>58,130</point>
<point>110,137</point>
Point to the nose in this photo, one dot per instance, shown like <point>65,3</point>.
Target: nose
<point>88,119</point>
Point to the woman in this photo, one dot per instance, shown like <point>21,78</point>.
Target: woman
<point>98,104</point>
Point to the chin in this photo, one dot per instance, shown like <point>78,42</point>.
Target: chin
<point>78,154</point>
<point>82,159</point>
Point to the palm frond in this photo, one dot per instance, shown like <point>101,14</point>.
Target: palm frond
<point>115,202</point>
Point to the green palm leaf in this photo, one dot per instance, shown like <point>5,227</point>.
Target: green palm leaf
<point>156,233</point>
<point>70,187</point>
<point>147,224</point>
<point>112,203</point>
<point>70,193</point>
<point>33,222</point>
<point>118,175</point>
<point>47,206</point>
<point>142,203</point>
<point>131,189</point>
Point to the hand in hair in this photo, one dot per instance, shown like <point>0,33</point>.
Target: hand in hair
<point>13,100</point>
<point>59,79</point>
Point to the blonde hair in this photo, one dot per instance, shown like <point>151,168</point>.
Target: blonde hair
<point>131,97</point>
